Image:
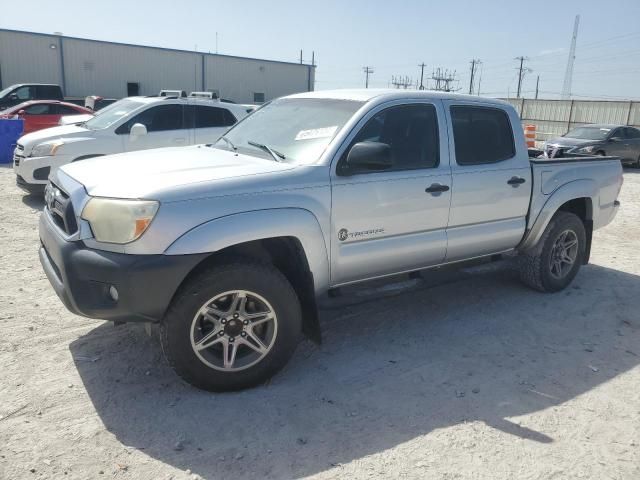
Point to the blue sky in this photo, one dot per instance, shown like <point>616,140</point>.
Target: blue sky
<point>392,36</point>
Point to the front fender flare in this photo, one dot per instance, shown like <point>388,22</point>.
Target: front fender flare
<point>235,229</point>
<point>584,188</point>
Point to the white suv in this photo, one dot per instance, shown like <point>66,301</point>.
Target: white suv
<point>134,123</point>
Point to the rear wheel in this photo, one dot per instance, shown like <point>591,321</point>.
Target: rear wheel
<point>232,327</point>
<point>554,262</point>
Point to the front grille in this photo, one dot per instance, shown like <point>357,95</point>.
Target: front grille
<point>555,152</point>
<point>18,154</point>
<point>61,210</point>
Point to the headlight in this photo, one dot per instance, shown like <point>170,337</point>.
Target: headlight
<point>119,221</point>
<point>587,149</point>
<point>46,149</point>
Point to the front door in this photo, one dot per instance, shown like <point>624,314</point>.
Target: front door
<point>165,128</point>
<point>491,181</point>
<point>390,221</point>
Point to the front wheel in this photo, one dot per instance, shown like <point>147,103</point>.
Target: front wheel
<point>232,327</point>
<point>554,262</point>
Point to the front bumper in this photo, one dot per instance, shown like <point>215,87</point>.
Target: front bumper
<point>81,277</point>
<point>36,170</point>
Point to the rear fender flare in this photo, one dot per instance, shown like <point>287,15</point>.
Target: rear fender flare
<point>577,189</point>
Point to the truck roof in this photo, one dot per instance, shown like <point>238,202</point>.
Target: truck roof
<point>367,94</point>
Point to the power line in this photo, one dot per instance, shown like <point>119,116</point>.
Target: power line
<point>367,71</point>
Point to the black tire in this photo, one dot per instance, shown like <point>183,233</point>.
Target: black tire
<point>535,264</point>
<point>240,274</point>
<point>601,153</point>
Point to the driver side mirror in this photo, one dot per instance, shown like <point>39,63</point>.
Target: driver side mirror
<point>369,156</point>
<point>138,130</point>
<point>21,113</point>
<point>615,139</point>
<point>13,96</point>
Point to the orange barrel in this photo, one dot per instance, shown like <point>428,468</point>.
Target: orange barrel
<point>530,135</point>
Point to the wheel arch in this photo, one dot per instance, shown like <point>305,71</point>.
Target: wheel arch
<point>290,239</point>
<point>578,197</point>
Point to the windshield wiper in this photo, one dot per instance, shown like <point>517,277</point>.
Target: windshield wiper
<point>277,156</point>
<point>229,142</point>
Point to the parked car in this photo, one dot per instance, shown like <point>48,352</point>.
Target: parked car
<point>134,123</point>
<point>615,140</point>
<point>230,246</point>
<point>40,114</point>
<point>23,92</point>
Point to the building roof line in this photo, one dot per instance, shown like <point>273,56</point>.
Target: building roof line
<point>194,52</point>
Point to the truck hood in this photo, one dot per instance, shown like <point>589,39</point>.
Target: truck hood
<point>30,140</point>
<point>571,142</point>
<point>169,173</point>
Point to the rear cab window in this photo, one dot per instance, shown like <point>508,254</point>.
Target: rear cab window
<point>482,135</point>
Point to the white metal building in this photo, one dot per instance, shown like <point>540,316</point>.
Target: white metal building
<point>92,67</point>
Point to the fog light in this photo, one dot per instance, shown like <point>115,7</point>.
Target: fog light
<point>113,293</point>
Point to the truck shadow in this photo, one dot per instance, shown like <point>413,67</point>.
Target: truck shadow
<point>412,358</point>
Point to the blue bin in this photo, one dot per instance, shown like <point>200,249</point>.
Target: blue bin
<point>10,132</point>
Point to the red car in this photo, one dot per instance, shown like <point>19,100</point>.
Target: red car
<point>39,114</point>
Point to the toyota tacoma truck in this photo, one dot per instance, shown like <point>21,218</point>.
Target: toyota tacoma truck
<point>231,246</point>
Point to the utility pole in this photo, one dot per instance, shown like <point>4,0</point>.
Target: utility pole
<point>522,70</point>
<point>537,85</point>
<point>300,56</point>
<point>568,74</point>
<point>367,71</point>
<point>474,64</point>
<point>422,65</point>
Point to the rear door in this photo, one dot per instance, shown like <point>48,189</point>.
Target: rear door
<point>210,122</point>
<point>491,181</point>
<point>385,222</point>
<point>166,127</point>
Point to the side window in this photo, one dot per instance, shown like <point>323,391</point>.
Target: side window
<point>157,119</point>
<point>481,135</point>
<point>211,117</point>
<point>38,109</point>
<point>47,92</point>
<point>24,93</point>
<point>64,110</point>
<point>229,118</point>
<point>410,130</point>
<point>632,133</point>
<point>617,133</point>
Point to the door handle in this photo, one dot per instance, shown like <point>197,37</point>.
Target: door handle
<point>437,188</point>
<point>515,181</point>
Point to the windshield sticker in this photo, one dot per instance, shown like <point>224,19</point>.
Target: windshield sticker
<point>316,133</point>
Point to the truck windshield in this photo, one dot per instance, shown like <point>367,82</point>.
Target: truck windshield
<point>589,133</point>
<point>297,128</point>
<point>111,114</point>
<point>6,91</point>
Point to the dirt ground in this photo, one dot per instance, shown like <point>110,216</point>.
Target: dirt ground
<point>460,375</point>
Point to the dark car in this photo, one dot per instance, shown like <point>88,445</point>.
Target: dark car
<point>612,140</point>
<point>24,92</point>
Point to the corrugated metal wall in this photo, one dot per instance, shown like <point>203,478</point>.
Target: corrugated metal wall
<point>105,69</point>
<point>102,68</point>
<point>557,117</point>
<point>24,56</point>
<point>239,79</point>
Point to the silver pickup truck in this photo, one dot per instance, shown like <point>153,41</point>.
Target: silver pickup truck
<point>230,246</point>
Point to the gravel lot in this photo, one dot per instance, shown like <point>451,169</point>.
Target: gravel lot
<point>460,375</point>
